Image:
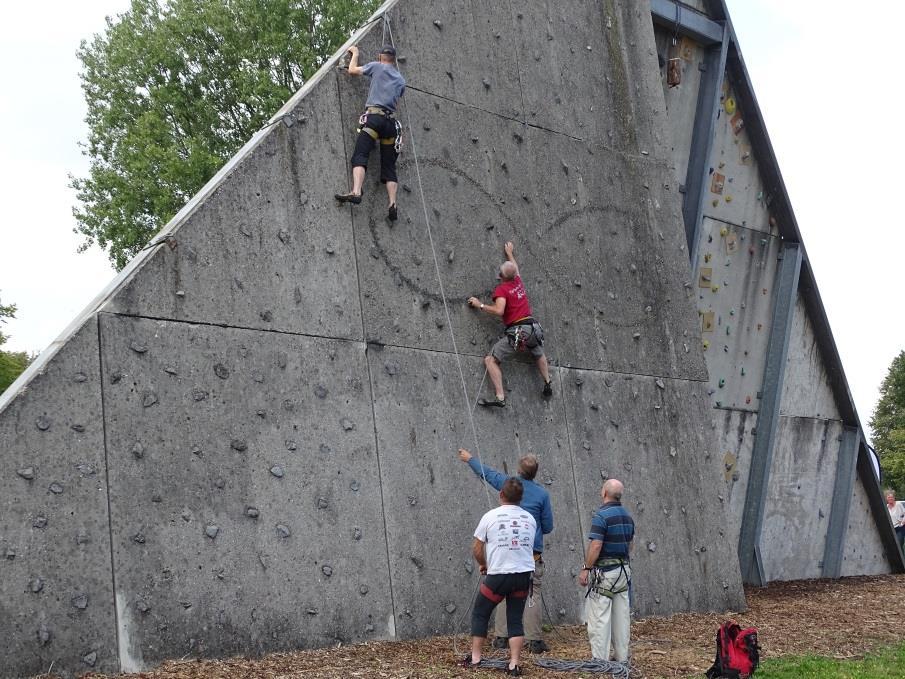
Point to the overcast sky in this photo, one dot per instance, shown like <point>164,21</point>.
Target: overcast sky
<point>831,112</point>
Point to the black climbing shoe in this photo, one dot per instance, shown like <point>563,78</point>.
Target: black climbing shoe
<point>500,642</point>
<point>538,646</point>
<point>492,402</point>
<point>514,671</point>
<point>354,198</point>
<point>548,389</point>
<point>392,213</point>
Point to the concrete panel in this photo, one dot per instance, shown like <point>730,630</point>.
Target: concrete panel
<point>681,100</point>
<point>735,430</point>
<point>742,197</point>
<point>56,595</point>
<point>799,498</point>
<point>734,278</point>
<point>863,551</point>
<point>462,50</point>
<point>597,237</point>
<point>246,508</point>
<point>589,70</point>
<point>806,389</point>
<point>268,249</point>
<point>434,501</point>
<point>650,434</point>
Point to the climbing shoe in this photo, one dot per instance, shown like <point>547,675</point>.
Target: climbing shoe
<point>538,646</point>
<point>392,213</point>
<point>492,402</point>
<point>354,198</point>
<point>548,389</point>
<point>500,642</point>
<point>514,671</point>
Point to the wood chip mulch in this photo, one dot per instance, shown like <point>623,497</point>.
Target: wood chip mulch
<point>838,618</point>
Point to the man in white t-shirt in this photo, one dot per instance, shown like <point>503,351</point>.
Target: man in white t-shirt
<point>503,548</point>
<point>896,515</point>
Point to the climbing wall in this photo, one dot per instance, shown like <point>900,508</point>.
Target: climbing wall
<point>248,443</point>
<point>735,271</point>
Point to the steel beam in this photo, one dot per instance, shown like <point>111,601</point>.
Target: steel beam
<point>703,133</point>
<point>686,21</point>
<point>842,502</point>
<point>768,416</point>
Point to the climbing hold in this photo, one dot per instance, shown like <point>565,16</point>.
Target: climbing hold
<point>198,394</point>
<point>39,522</point>
<point>283,531</point>
<point>651,546</point>
<point>322,503</point>
<point>347,424</point>
<point>79,600</point>
<point>450,608</point>
<point>636,335</point>
<point>252,512</point>
<point>291,445</point>
<point>327,570</point>
<point>722,383</point>
<point>724,231</point>
<point>56,488</point>
<point>706,344</point>
<point>708,257</point>
<point>44,635</point>
<point>149,399</point>
<point>138,538</point>
<point>659,383</point>
<point>90,658</point>
<point>283,235</point>
<point>219,483</point>
<point>138,450</point>
<point>27,473</point>
<point>137,347</point>
<point>438,24</point>
<point>211,531</point>
<point>239,445</point>
<point>363,589</point>
<point>277,471</point>
<point>486,83</point>
<point>221,371</point>
<point>354,486</point>
<point>36,585</point>
<point>356,533</point>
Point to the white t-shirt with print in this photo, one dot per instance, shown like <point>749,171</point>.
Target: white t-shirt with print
<point>896,513</point>
<point>508,536</point>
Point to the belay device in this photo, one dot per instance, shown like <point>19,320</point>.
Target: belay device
<point>737,652</point>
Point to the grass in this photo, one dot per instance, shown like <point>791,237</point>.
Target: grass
<point>888,663</point>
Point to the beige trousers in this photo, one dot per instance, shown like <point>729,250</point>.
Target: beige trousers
<point>609,620</point>
<point>534,608</point>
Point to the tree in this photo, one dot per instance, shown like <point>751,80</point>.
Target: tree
<point>175,87</point>
<point>12,363</point>
<point>888,425</point>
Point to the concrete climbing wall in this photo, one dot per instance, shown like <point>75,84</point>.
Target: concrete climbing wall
<point>735,272</point>
<point>271,405</point>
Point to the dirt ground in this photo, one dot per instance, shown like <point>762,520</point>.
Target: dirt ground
<point>841,619</point>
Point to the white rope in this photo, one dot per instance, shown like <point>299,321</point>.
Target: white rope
<point>388,30</point>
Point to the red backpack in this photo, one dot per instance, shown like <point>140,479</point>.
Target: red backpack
<point>737,652</point>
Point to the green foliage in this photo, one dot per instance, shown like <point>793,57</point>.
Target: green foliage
<point>885,664</point>
<point>888,425</point>
<point>175,87</point>
<point>12,363</point>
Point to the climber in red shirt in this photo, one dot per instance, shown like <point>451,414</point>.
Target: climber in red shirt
<point>523,333</point>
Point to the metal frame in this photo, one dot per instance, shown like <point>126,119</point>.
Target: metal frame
<point>784,299</point>
<point>687,21</point>
<point>842,501</point>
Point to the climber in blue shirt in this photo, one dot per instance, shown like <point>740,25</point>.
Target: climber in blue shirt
<point>536,501</point>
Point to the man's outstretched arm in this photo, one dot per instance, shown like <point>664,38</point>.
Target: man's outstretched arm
<point>508,248</point>
<point>354,68</point>
<point>492,476</point>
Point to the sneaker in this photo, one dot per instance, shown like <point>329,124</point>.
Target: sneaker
<point>538,646</point>
<point>466,662</point>
<point>354,198</point>
<point>548,389</point>
<point>492,402</point>
<point>393,213</point>
<point>514,671</point>
<point>501,642</point>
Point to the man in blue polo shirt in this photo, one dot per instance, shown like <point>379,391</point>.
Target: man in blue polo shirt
<point>536,501</point>
<point>608,575</point>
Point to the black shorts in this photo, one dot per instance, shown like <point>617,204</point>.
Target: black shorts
<point>385,128</point>
<point>513,587</point>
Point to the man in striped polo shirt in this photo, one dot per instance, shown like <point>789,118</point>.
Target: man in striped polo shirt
<point>608,576</point>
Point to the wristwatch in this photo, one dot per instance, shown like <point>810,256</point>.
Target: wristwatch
<point>482,305</point>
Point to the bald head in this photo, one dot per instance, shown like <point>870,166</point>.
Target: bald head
<point>508,270</point>
<point>612,490</point>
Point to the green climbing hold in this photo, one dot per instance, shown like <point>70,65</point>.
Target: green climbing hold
<point>722,383</point>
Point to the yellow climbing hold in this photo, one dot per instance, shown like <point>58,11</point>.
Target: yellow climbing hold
<point>706,344</point>
<point>729,105</point>
<point>708,257</point>
<point>728,199</point>
<point>714,288</point>
<point>724,231</point>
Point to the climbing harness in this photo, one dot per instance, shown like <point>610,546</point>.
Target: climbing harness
<point>523,336</point>
<point>395,140</point>
<point>596,578</point>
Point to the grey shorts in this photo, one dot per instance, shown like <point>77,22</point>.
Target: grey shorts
<point>529,337</point>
